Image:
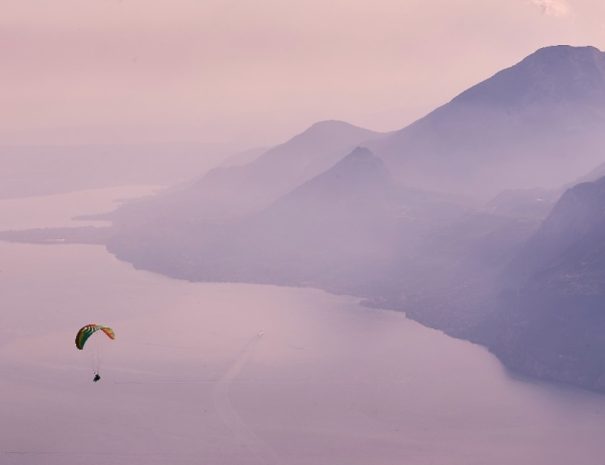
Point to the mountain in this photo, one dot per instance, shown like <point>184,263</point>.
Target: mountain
<point>348,229</point>
<point>326,219</point>
<point>569,238</point>
<point>236,191</point>
<point>327,228</point>
<point>280,169</point>
<point>538,123</point>
<point>258,222</point>
<point>550,319</point>
<point>487,255</point>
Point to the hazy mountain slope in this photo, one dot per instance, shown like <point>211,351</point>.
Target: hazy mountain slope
<point>551,321</point>
<point>233,192</point>
<point>442,252</point>
<point>536,202</point>
<point>524,203</point>
<point>348,228</point>
<point>279,169</point>
<point>595,174</point>
<point>294,224</point>
<point>536,124</point>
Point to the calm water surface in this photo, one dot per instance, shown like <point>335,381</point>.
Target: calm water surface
<point>244,374</point>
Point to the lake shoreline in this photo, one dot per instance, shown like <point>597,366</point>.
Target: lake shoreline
<point>94,235</point>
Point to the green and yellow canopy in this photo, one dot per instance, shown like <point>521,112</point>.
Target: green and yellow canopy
<point>88,330</point>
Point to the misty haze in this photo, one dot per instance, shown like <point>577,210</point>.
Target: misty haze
<point>307,234</point>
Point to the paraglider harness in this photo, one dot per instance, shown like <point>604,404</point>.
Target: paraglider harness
<point>96,378</point>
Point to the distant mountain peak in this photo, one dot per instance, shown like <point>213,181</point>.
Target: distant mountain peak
<point>359,174</point>
<point>331,124</point>
<point>360,154</point>
<point>564,52</point>
<point>334,128</point>
<point>555,73</point>
<point>360,163</point>
<point>538,123</point>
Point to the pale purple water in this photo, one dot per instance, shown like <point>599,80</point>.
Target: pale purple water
<point>243,374</point>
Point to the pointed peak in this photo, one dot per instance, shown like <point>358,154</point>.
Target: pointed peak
<point>361,156</point>
<point>359,171</point>
<point>360,153</point>
<point>360,161</point>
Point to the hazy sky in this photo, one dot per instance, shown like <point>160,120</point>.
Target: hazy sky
<point>256,71</point>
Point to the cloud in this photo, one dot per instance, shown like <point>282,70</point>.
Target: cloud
<point>558,8</point>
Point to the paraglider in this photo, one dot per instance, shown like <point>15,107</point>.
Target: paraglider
<point>85,333</point>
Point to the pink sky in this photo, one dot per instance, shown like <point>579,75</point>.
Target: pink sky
<point>257,71</point>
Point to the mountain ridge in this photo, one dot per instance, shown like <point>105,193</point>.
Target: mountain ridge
<point>500,133</point>
<point>549,318</point>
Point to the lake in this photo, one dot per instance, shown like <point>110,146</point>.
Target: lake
<point>240,374</point>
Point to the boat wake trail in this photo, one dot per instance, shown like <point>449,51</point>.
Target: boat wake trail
<point>244,436</point>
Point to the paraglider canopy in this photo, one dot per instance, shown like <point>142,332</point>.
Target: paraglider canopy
<point>86,331</point>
